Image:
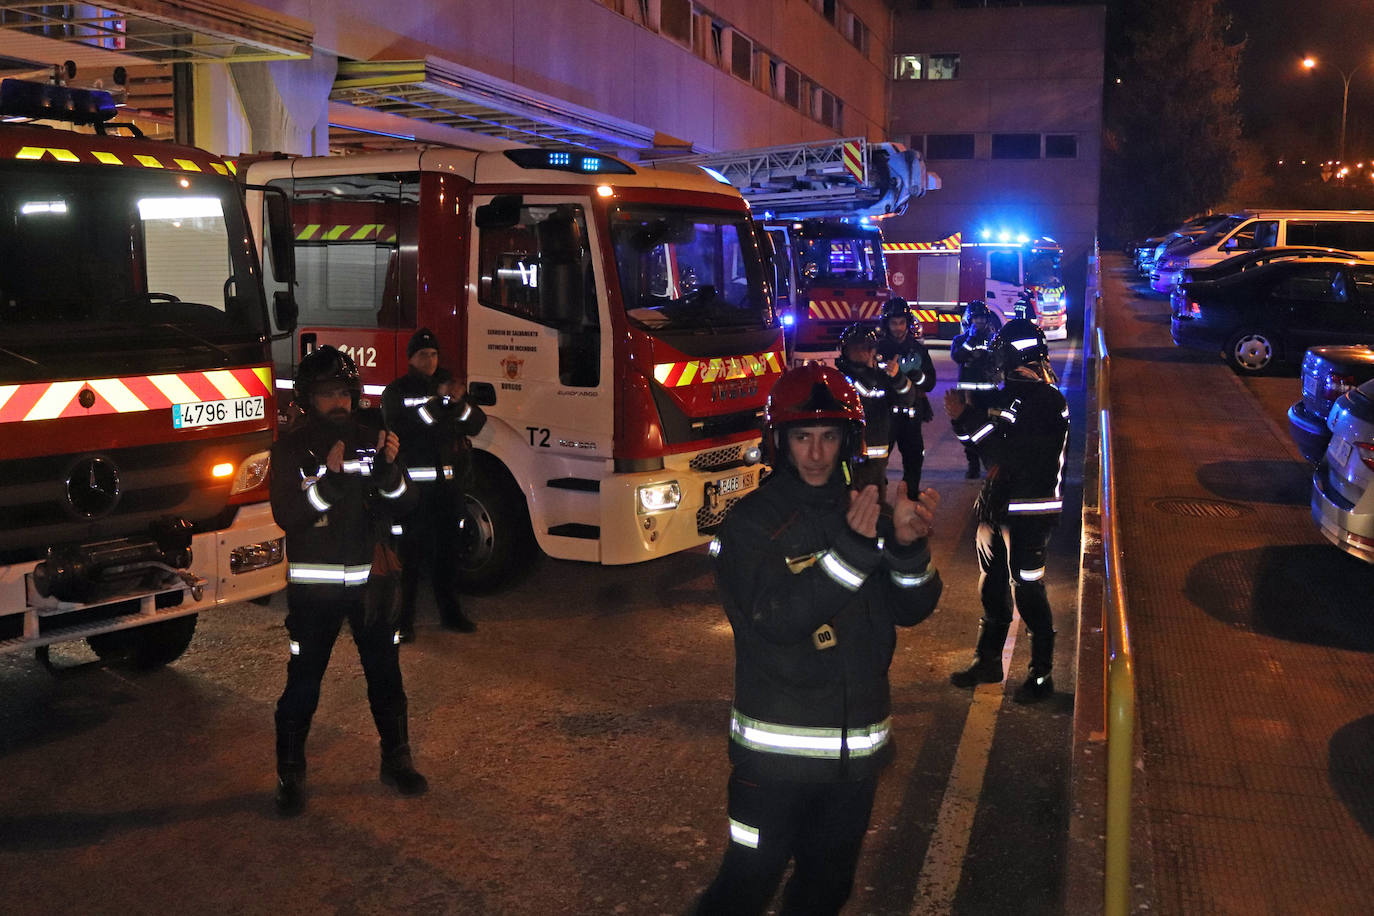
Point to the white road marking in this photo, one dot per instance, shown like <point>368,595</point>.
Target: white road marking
<point>944,863</point>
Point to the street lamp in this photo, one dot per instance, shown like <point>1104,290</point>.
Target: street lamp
<point>1311,63</point>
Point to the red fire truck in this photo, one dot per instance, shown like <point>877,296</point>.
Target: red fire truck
<point>614,321</point>
<point>819,202</point>
<point>136,395</point>
<point>940,278</point>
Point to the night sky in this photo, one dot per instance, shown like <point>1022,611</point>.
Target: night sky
<point>1296,112</point>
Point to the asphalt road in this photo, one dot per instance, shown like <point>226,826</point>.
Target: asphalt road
<point>575,744</point>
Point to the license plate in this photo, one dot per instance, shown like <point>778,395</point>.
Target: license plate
<point>727,485</point>
<point>210,413</point>
<point>1340,451</point>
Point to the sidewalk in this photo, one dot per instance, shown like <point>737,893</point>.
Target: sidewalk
<point>1252,641</point>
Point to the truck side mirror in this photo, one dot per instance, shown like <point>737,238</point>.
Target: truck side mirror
<point>502,213</point>
<point>281,233</point>
<point>285,310</point>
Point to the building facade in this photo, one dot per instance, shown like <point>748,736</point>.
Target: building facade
<point>309,76</point>
<point>1006,106</point>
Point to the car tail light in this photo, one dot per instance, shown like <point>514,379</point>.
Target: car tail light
<point>1194,308</point>
<point>1333,386</point>
<point>1366,450</point>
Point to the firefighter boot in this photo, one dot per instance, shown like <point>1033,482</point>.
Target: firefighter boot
<point>290,798</point>
<point>1038,684</point>
<point>398,769</point>
<point>987,656</point>
<point>452,617</point>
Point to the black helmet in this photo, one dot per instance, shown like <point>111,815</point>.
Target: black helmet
<point>977,309</point>
<point>897,307</point>
<point>1019,343</point>
<point>858,333</point>
<point>326,364</point>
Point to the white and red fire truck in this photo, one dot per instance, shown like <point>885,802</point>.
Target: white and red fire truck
<point>136,394</point>
<point>614,321</point>
<point>820,202</point>
<point>939,278</point>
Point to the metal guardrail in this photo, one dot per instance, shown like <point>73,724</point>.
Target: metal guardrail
<point>1118,662</point>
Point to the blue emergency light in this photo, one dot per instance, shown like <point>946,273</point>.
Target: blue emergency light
<point>568,161</point>
<point>44,101</point>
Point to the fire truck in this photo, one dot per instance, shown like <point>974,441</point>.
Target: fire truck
<point>1014,274</point>
<point>136,393</point>
<point>820,203</point>
<point>613,320</point>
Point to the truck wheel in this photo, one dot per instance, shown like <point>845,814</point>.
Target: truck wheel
<point>499,540</point>
<point>149,646</point>
<point>1251,352</point>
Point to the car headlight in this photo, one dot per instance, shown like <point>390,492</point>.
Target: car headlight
<point>659,497</point>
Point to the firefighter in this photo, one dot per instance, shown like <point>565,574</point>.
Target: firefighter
<point>978,370</point>
<point>900,341</point>
<point>883,389</point>
<point>1022,435</point>
<point>433,426</point>
<point>814,579</point>
<point>336,487</point>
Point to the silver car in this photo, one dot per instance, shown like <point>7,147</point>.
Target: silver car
<point>1343,483</point>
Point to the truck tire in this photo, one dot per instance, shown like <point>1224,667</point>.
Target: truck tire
<point>499,540</point>
<point>149,646</point>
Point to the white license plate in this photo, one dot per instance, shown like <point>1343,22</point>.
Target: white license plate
<point>735,484</point>
<point>210,413</point>
<point>1340,451</point>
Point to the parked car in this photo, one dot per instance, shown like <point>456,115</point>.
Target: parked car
<point>1258,317</point>
<point>1246,260</point>
<point>1178,250</point>
<point>1164,233</point>
<point>1327,373</point>
<point>1348,230</point>
<point>1343,483</point>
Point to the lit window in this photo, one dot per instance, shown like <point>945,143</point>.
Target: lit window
<point>907,66</point>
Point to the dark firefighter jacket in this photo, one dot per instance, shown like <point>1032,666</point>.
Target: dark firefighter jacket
<point>813,606</point>
<point>432,429</point>
<point>333,521</point>
<point>916,365</point>
<point>881,395</point>
<point>1022,435</point>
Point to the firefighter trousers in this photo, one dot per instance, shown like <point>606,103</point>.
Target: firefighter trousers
<point>431,545</point>
<point>1011,563</point>
<point>819,825</point>
<point>906,436</point>
<point>313,623</point>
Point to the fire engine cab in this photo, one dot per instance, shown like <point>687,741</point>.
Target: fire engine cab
<point>1013,273</point>
<point>821,203</point>
<point>613,320</point>
<point>136,394</point>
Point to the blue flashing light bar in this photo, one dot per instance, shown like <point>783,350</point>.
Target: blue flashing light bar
<point>577,161</point>
<point>21,99</point>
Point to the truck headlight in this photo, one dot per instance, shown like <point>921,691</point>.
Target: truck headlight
<point>659,497</point>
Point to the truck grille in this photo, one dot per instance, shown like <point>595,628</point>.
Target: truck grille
<point>170,479</point>
<point>708,521</point>
<point>718,459</point>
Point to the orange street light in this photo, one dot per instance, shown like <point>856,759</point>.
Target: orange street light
<point>1310,63</point>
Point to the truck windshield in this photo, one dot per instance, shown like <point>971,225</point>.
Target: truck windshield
<point>123,270</point>
<point>1043,269</point>
<point>858,259</point>
<point>689,270</point>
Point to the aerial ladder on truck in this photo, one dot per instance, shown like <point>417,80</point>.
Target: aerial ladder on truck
<point>819,202</point>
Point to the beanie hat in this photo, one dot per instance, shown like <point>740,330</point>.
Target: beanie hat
<point>422,339</point>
